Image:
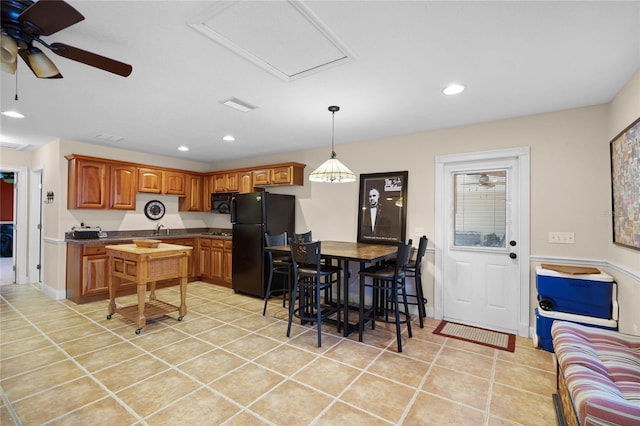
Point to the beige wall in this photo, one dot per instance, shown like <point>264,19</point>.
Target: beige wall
<point>570,186</point>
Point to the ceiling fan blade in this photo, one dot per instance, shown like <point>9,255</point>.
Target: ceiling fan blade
<point>92,59</point>
<point>50,16</point>
<point>38,71</point>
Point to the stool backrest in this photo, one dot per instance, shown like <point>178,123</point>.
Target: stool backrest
<point>402,258</point>
<point>275,239</point>
<point>305,254</point>
<point>302,238</point>
<point>422,249</point>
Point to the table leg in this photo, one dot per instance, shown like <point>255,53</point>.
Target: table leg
<point>112,290</point>
<point>142,293</point>
<point>345,299</point>
<point>183,297</point>
<point>152,291</point>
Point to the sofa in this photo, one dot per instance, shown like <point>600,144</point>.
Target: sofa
<point>598,375</point>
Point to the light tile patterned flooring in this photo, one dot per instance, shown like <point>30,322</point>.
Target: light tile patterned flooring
<point>66,364</point>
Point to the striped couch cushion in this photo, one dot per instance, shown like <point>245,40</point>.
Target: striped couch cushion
<point>601,369</point>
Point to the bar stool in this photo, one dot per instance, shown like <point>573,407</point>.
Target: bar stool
<point>389,282</point>
<point>278,264</point>
<point>311,276</point>
<point>414,270</point>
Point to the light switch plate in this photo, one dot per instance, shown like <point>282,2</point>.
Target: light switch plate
<point>562,238</point>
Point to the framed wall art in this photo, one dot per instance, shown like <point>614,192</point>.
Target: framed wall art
<point>382,208</point>
<point>625,186</point>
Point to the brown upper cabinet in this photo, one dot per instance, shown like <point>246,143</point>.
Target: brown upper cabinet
<point>225,182</point>
<point>245,181</point>
<point>279,174</point>
<point>122,187</point>
<point>96,184</point>
<point>160,181</point>
<point>192,201</point>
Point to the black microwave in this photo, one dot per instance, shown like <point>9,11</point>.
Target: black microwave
<point>221,203</point>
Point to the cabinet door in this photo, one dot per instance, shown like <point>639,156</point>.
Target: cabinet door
<point>245,182</point>
<point>219,182</point>
<point>175,183</point>
<point>122,187</point>
<point>227,262</point>
<point>262,177</point>
<point>232,182</point>
<point>204,257</point>
<point>281,176</point>
<point>150,180</point>
<point>217,261</point>
<point>192,201</point>
<point>87,184</point>
<point>207,190</point>
<point>94,280</point>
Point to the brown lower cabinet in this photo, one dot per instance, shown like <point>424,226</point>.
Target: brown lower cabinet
<point>214,260</point>
<point>87,269</point>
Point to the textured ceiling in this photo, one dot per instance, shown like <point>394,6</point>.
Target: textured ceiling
<point>515,58</point>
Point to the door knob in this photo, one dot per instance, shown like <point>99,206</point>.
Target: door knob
<point>513,255</point>
<point>512,243</point>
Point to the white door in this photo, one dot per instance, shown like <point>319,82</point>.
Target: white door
<point>484,282</point>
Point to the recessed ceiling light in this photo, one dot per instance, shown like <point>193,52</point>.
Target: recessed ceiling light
<point>183,148</point>
<point>453,89</point>
<point>228,138</point>
<point>13,114</point>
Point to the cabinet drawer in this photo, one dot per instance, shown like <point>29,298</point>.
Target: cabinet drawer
<point>217,243</point>
<point>93,250</point>
<point>228,244</point>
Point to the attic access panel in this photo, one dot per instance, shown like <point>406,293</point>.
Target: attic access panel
<point>283,37</point>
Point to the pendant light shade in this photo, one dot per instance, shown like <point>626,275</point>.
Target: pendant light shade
<point>332,170</point>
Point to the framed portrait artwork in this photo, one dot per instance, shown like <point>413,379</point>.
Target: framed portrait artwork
<point>382,208</point>
<point>625,186</point>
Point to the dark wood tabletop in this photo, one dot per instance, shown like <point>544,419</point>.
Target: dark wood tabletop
<point>346,250</point>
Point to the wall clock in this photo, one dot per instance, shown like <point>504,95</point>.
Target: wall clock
<point>154,210</point>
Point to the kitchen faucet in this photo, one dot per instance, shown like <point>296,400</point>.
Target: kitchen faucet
<point>158,228</point>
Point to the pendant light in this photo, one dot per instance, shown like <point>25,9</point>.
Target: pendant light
<point>332,170</point>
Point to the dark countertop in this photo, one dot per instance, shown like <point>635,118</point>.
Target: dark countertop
<point>114,237</point>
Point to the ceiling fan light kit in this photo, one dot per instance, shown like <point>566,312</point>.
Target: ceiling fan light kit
<point>332,170</point>
<point>41,66</point>
<point>25,21</point>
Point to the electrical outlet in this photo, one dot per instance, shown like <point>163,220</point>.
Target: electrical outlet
<point>562,238</point>
<point>418,232</point>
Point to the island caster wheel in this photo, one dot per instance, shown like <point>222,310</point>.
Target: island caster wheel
<point>138,330</point>
<point>109,316</point>
<point>180,318</point>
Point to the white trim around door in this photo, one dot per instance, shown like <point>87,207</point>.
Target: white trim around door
<point>521,193</point>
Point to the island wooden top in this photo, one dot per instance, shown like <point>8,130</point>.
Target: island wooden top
<point>133,249</point>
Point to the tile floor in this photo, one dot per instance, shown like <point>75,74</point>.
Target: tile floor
<point>63,363</point>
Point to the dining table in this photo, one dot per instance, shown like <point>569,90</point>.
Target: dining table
<point>346,252</point>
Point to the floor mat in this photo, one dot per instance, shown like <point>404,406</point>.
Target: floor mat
<point>481,336</point>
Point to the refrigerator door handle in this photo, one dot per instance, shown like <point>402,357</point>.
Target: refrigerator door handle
<point>233,209</point>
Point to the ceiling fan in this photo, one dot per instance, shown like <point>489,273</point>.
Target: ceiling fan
<point>486,179</point>
<point>25,21</point>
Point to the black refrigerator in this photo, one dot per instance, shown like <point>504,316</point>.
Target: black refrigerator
<point>252,215</point>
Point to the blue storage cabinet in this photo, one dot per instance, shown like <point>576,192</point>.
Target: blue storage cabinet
<point>590,295</point>
<point>544,320</point>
